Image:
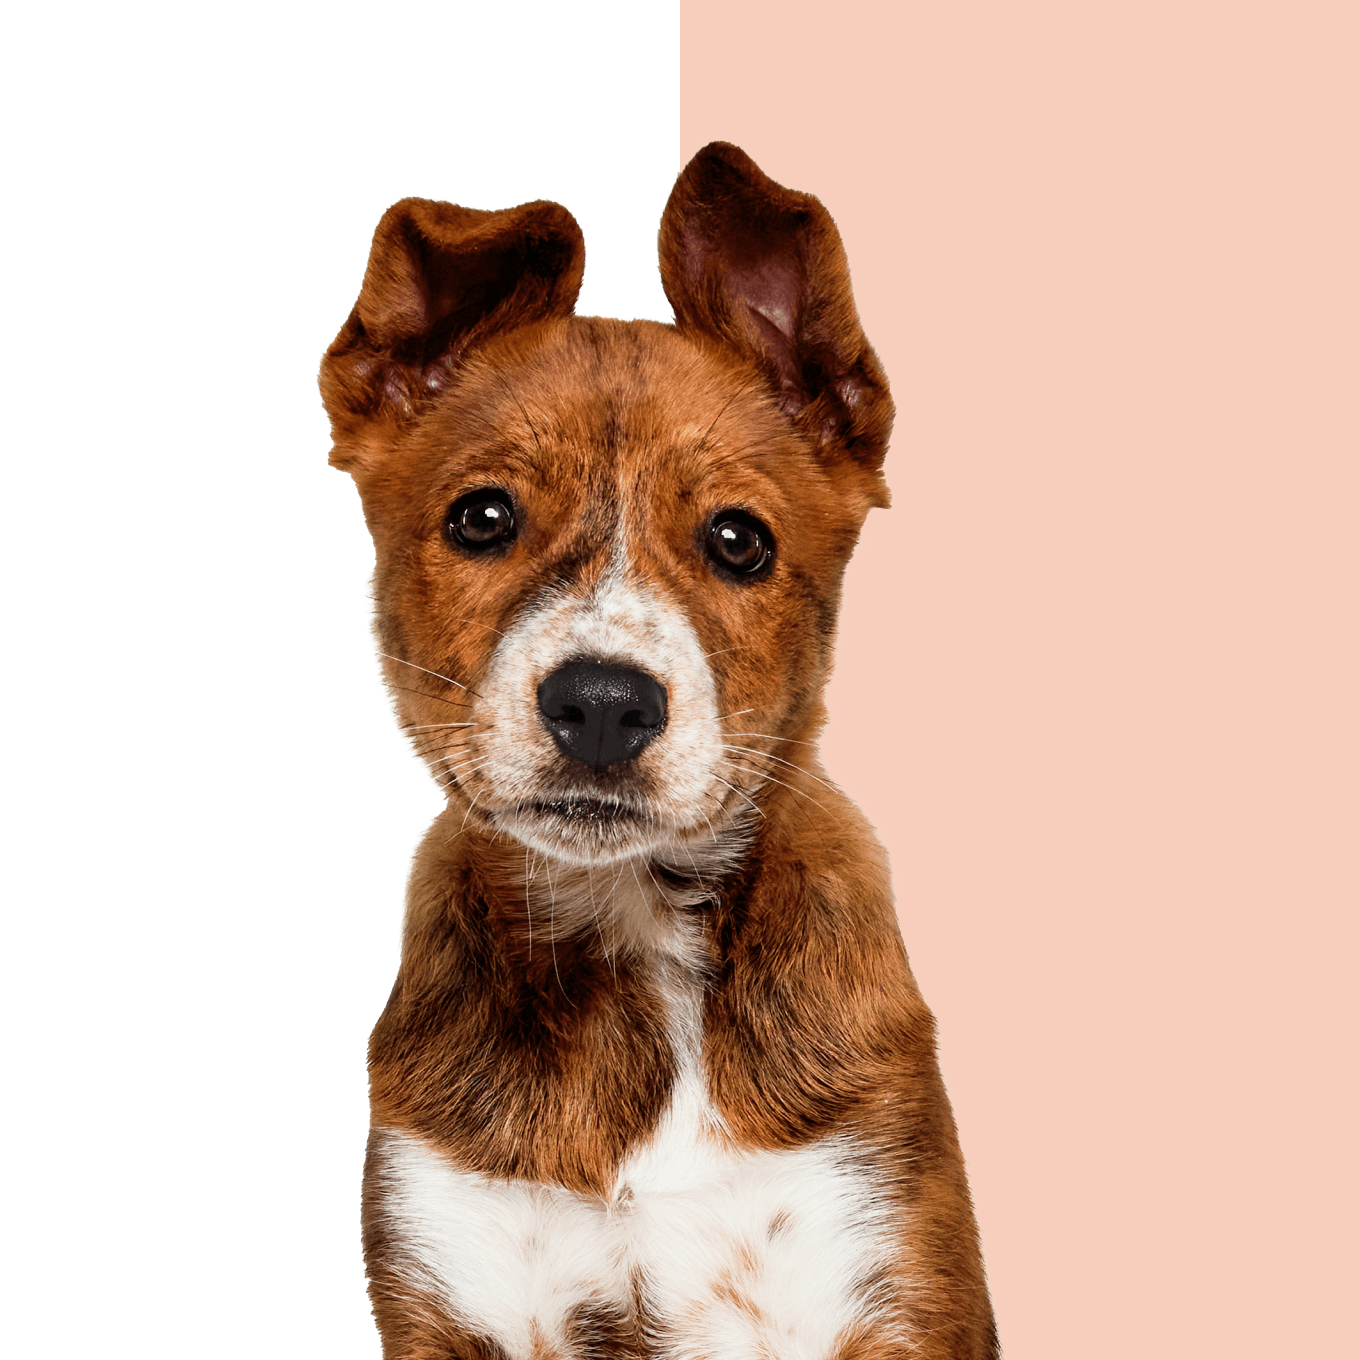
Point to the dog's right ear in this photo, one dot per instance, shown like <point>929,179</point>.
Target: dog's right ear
<point>440,279</point>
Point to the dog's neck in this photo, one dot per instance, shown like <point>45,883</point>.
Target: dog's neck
<point>620,911</point>
<point>636,906</point>
<point>629,908</point>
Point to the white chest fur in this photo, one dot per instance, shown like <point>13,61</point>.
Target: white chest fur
<point>736,1254</point>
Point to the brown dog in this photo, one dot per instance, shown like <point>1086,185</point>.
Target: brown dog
<point>655,1079</point>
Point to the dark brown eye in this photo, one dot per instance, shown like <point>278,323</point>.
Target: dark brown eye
<point>481,520</point>
<point>739,544</point>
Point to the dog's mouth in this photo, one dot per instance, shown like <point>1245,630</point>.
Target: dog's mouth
<point>582,829</point>
<point>588,810</point>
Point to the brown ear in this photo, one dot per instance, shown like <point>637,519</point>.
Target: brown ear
<point>761,268</point>
<point>440,279</point>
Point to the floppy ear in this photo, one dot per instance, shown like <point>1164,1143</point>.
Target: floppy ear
<point>440,279</point>
<point>761,268</point>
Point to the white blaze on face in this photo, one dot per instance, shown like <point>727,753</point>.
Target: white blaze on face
<point>626,621</point>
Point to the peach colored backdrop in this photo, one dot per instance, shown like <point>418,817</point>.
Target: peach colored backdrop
<point>1098,671</point>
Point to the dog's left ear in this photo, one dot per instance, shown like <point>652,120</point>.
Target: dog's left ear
<point>761,269</point>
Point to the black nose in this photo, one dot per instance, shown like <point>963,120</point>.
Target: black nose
<point>601,715</point>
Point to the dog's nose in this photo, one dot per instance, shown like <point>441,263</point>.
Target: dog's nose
<point>600,714</point>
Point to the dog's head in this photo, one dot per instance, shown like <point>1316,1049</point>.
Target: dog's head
<point>609,553</point>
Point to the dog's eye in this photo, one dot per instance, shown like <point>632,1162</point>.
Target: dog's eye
<point>739,543</point>
<point>481,520</point>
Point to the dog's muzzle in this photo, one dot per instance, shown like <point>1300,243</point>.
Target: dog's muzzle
<point>600,714</point>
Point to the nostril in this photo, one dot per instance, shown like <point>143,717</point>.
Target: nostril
<point>635,717</point>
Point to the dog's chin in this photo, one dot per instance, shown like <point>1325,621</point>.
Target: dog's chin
<point>584,831</point>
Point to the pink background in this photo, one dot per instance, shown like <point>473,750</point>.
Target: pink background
<point>1098,669</point>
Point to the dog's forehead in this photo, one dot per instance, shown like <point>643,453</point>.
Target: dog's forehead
<point>624,413</point>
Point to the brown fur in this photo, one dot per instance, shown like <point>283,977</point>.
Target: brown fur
<point>462,366</point>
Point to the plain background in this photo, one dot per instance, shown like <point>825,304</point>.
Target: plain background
<point>1099,666</point>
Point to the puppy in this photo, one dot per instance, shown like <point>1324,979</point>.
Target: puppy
<point>655,1079</point>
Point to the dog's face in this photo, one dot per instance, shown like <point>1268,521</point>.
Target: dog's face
<point>609,554</point>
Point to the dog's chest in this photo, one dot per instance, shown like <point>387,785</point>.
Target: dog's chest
<point>706,1248</point>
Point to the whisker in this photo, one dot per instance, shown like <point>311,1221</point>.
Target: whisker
<point>599,927</point>
<point>435,747</point>
<point>765,775</point>
<point>468,813</point>
<point>429,745</point>
<point>477,623</point>
<point>770,736</point>
<point>426,726</point>
<point>468,760</point>
<point>739,793</point>
<point>740,392</point>
<point>453,774</point>
<point>642,892</point>
<point>460,750</point>
<point>436,674</point>
<point>552,930</point>
<point>766,755</point>
<point>693,864</point>
<point>655,884</point>
<point>406,689</point>
<point>614,904</point>
<point>528,910</point>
